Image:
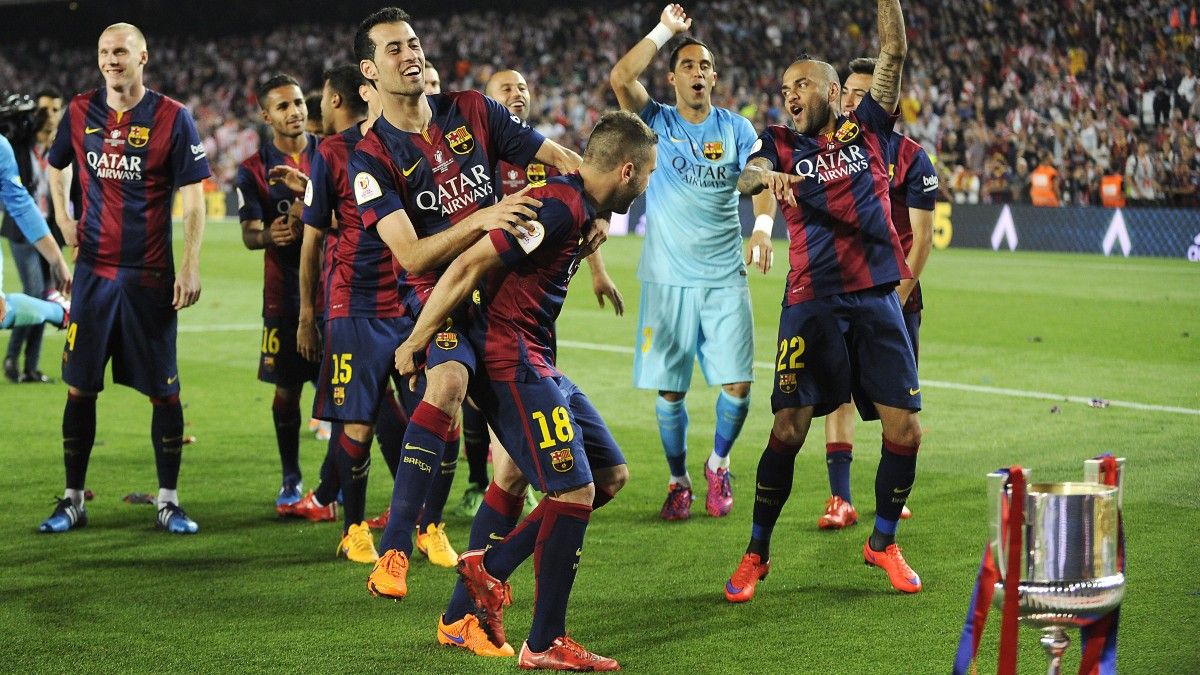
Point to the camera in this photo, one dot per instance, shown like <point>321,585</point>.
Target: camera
<point>19,117</point>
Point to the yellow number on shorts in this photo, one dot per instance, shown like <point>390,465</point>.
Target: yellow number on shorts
<point>647,337</point>
<point>563,428</point>
<point>342,372</point>
<point>71,331</point>
<point>796,347</point>
<point>270,341</point>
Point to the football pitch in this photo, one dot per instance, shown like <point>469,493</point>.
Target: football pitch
<point>1002,332</point>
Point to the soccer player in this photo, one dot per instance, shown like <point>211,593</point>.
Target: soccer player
<point>133,148</point>
<point>423,176</point>
<point>695,299</point>
<point>433,81</point>
<point>267,208</point>
<point>913,186</point>
<point>556,436</point>
<point>841,330</point>
<point>314,124</point>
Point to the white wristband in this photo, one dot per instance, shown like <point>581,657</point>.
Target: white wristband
<point>764,224</point>
<point>660,36</point>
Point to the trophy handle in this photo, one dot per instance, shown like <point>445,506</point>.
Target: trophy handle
<point>998,492</point>
<point>1091,474</point>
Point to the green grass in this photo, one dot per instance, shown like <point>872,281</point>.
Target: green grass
<point>251,593</point>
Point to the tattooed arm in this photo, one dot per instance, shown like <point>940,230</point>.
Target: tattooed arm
<point>885,86</point>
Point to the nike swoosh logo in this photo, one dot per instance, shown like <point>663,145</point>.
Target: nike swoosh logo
<point>410,169</point>
<point>578,552</point>
<point>495,537</point>
<point>91,130</point>
<point>901,491</point>
<point>760,486</point>
<point>456,639</point>
<point>914,392</point>
<point>930,189</point>
<point>171,380</point>
<point>410,446</point>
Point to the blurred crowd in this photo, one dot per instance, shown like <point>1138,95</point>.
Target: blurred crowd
<point>1005,94</point>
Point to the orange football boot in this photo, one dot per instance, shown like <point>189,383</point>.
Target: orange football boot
<point>891,560</point>
<point>752,569</point>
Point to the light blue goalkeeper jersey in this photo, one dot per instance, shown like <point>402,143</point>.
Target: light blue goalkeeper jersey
<point>693,235</point>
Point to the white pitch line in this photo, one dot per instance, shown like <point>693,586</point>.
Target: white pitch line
<point>763,365</point>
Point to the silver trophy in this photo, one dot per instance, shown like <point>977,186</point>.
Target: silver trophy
<point>1071,573</point>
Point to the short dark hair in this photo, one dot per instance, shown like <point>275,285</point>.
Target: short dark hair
<point>364,47</point>
<point>48,92</point>
<point>829,70</point>
<point>688,42</point>
<point>278,80</point>
<point>345,81</point>
<point>313,103</point>
<point>618,137</point>
<point>863,65</point>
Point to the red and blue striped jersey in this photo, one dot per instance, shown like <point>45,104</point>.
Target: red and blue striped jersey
<point>512,326</point>
<point>842,238</point>
<point>361,278</point>
<point>914,184</point>
<point>438,177</point>
<point>129,164</point>
<point>265,200</point>
<point>514,177</point>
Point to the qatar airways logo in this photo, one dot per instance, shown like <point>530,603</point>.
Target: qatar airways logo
<point>457,192</point>
<point>115,167</point>
<point>703,175</point>
<point>842,163</point>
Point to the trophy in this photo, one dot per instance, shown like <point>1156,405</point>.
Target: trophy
<point>1071,559</point>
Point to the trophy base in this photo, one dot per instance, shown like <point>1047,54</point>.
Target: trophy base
<point>1075,603</point>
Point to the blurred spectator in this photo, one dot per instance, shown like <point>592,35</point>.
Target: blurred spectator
<point>1044,187</point>
<point>1141,176</point>
<point>964,185</point>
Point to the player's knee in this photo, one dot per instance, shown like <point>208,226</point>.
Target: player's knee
<point>447,386</point>
<point>511,482</point>
<point>585,494</point>
<point>159,402</point>
<point>737,389</point>
<point>672,396</point>
<point>612,479</point>
<point>78,394</point>
<point>286,396</point>
<point>358,431</point>
<point>791,425</point>
<point>907,434</point>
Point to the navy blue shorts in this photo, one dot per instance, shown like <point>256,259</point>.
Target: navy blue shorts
<point>912,323</point>
<point>279,363</point>
<point>450,343</point>
<point>358,360</point>
<point>850,344</point>
<point>134,325</point>
<point>550,429</point>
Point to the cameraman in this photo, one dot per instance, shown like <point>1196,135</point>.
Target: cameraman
<point>16,118</point>
<point>31,139</point>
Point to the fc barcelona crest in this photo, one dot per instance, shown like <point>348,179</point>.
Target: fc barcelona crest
<point>787,382</point>
<point>847,132</point>
<point>446,341</point>
<point>562,460</point>
<point>269,364</point>
<point>339,395</point>
<point>460,140</point>
<point>139,136</point>
<point>714,150</point>
<point>536,172</point>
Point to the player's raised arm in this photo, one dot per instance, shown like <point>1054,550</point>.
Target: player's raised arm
<point>187,280</point>
<point>893,47</point>
<point>631,93</point>
<point>560,157</point>
<point>455,284</point>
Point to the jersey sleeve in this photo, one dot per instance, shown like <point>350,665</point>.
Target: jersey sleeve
<point>189,161</point>
<point>375,192</point>
<point>921,182</point>
<point>249,204</point>
<point>652,114</point>
<point>320,195</point>
<point>764,147</point>
<point>874,117</point>
<point>17,201</point>
<point>515,141</point>
<point>556,221</point>
<point>745,137</point>
<point>61,151</point>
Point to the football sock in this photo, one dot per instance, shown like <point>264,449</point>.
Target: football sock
<point>773,486</point>
<point>893,483</point>
<point>79,434</point>
<point>424,440</point>
<point>731,415</point>
<point>76,496</point>
<point>353,459</point>
<point>164,496</point>
<point>555,563</point>
<point>475,445</point>
<point>286,412</point>
<point>837,460</point>
<point>502,559</point>
<point>443,480</point>
<point>327,489</point>
<point>672,428</point>
<point>389,428</point>
<point>496,517</point>
<point>602,497</point>
<point>166,433</point>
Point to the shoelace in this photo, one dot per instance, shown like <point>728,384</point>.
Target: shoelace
<point>726,488</point>
<point>438,540</point>
<point>577,648</point>
<point>908,571</point>
<point>395,564</point>
<point>744,574</point>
